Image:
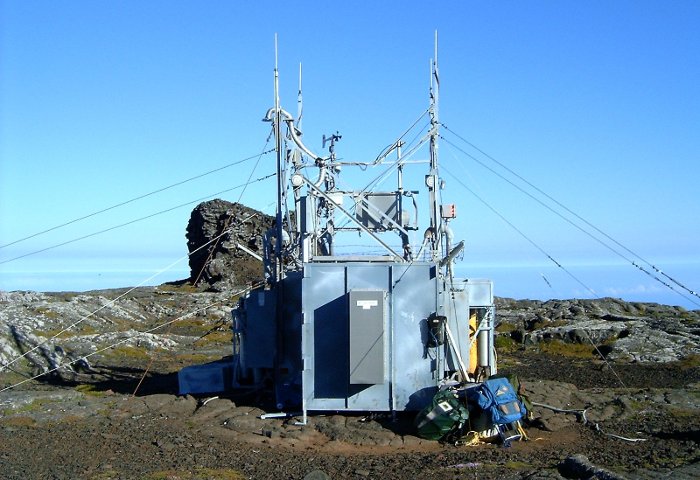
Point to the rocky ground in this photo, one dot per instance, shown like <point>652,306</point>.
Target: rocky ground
<point>114,412</point>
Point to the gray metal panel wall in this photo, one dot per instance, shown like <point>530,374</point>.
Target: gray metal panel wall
<point>290,366</point>
<point>324,380</point>
<point>366,337</point>
<point>410,369</point>
<point>415,368</point>
<point>480,292</point>
<point>259,344</point>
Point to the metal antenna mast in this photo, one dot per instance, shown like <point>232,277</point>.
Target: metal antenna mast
<point>432,179</point>
<point>300,105</point>
<point>280,187</point>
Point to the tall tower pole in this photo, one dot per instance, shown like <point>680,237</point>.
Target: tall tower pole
<point>432,179</point>
<point>300,102</point>
<point>280,188</point>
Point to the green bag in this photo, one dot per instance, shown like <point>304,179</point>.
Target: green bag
<point>443,419</point>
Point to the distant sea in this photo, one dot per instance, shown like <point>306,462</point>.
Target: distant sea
<point>80,281</point>
<point>591,281</point>
<point>520,282</point>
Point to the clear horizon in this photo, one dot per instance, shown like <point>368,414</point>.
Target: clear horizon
<point>534,282</point>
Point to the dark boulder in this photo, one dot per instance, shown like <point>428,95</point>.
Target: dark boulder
<point>215,234</point>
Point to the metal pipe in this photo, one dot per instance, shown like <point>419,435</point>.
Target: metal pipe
<point>453,253</point>
<point>249,252</point>
<point>269,116</point>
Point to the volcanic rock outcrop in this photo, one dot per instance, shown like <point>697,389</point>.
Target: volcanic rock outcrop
<point>215,234</point>
<point>628,331</point>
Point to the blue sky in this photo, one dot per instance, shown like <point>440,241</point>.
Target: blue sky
<point>596,103</point>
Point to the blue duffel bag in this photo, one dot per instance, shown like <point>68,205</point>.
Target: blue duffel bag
<point>497,397</point>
